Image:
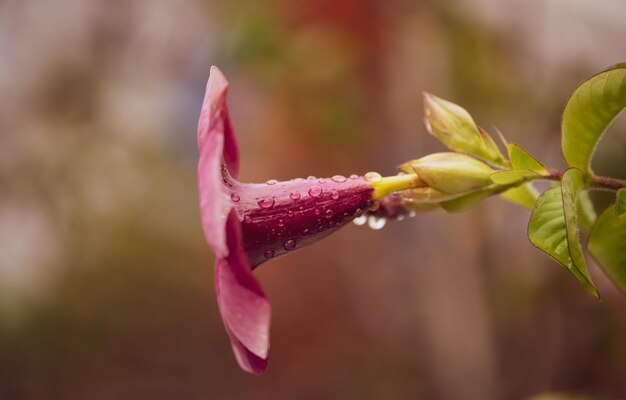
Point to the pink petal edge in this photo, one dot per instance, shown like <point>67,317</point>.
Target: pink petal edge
<point>217,145</point>
<point>245,309</point>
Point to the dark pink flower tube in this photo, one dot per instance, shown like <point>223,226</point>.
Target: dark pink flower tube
<point>247,224</point>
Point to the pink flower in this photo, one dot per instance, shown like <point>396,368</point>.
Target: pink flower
<point>248,224</point>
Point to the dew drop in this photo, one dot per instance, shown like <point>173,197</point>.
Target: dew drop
<point>376,223</point>
<point>412,214</point>
<point>317,211</point>
<point>358,212</point>
<point>331,223</point>
<point>338,178</point>
<point>400,217</point>
<point>361,220</point>
<point>281,223</point>
<point>247,219</point>
<point>372,177</point>
<point>266,203</point>
<point>328,214</point>
<point>269,253</point>
<point>289,244</point>
<point>354,176</point>
<point>322,180</point>
<point>272,182</point>
<point>305,232</point>
<point>294,196</point>
<point>315,191</point>
<point>235,197</point>
<point>290,213</point>
<point>374,206</point>
<point>334,195</point>
<point>311,177</point>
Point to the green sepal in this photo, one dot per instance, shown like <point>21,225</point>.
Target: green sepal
<point>521,159</point>
<point>524,195</point>
<point>513,176</point>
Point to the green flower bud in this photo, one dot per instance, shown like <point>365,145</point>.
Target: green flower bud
<point>456,129</point>
<point>451,173</point>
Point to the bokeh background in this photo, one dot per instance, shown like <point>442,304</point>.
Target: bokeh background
<point>106,286</point>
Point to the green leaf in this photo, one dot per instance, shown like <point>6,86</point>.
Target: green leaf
<point>547,231</point>
<point>607,244</point>
<point>524,195</point>
<point>620,203</point>
<point>512,176</point>
<point>572,184</point>
<point>586,212</point>
<point>588,112</point>
<point>521,159</point>
<point>456,129</point>
<point>467,201</point>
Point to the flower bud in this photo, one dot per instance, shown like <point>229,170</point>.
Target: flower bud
<point>456,129</point>
<point>451,173</point>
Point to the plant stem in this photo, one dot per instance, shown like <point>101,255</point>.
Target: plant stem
<point>608,183</point>
<point>601,182</point>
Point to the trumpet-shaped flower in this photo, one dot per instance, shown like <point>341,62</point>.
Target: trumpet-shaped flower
<point>248,224</point>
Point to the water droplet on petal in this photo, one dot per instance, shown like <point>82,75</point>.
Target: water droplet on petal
<point>338,178</point>
<point>281,223</point>
<point>374,206</point>
<point>334,195</point>
<point>328,213</point>
<point>290,213</point>
<point>360,220</point>
<point>289,244</point>
<point>358,212</point>
<point>235,197</point>
<point>376,223</point>
<point>412,214</point>
<point>311,177</point>
<point>315,191</point>
<point>272,182</point>
<point>294,196</point>
<point>266,203</point>
<point>305,231</point>
<point>354,176</point>
<point>400,217</point>
<point>317,211</point>
<point>269,253</point>
<point>322,180</point>
<point>372,177</point>
<point>247,219</point>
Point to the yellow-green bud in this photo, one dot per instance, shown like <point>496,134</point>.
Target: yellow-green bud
<point>456,129</point>
<point>451,173</point>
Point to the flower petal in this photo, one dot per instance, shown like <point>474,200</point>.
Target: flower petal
<point>244,307</point>
<point>215,120</point>
<point>248,361</point>
<point>218,161</point>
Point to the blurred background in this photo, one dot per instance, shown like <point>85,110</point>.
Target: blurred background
<point>106,283</point>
